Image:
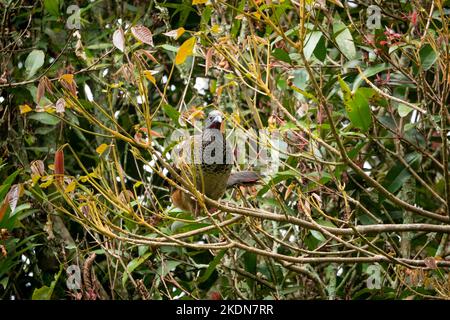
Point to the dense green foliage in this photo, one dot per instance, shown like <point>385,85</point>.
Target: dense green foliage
<point>91,93</point>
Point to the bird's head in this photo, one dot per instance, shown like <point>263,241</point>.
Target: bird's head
<point>214,120</point>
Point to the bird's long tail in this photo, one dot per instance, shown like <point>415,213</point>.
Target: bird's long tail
<point>243,178</point>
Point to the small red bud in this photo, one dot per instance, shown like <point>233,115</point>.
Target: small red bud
<point>215,295</point>
<point>59,166</point>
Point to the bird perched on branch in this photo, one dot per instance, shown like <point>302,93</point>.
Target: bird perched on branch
<point>206,160</point>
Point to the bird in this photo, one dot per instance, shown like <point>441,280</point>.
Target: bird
<point>206,160</point>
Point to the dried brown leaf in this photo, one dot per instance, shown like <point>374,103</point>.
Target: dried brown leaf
<point>40,92</point>
<point>208,59</point>
<point>37,168</point>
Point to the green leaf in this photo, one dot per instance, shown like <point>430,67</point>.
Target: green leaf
<point>44,118</point>
<point>52,7</point>
<point>34,61</point>
<point>358,110</point>
<point>427,57</point>
<point>237,22</point>
<point>403,110</point>
<point>169,47</point>
<point>277,178</point>
<point>355,151</point>
<point>166,267</point>
<point>4,282</point>
<point>99,46</point>
<point>250,262</point>
<point>318,235</point>
<point>206,15</point>
<point>212,266</point>
<point>344,40</point>
<point>44,292</point>
<point>345,88</point>
<point>171,112</point>
<point>6,184</point>
<point>311,41</point>
<point>133,264</point>
<point>321,50</point>
<point>397,175</point>
<point>282,55</point>
<point>300,80</point>
<point>371,71</point>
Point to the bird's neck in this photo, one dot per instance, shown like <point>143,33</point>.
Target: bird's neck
<point>212,135</point>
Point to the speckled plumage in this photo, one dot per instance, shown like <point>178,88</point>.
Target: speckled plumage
<point>206,160</point>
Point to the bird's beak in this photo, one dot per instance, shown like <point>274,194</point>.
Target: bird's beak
<point>217,119</point>
<point>216,123</point>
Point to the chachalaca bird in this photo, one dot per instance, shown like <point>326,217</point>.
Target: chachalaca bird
<point>206,160</point>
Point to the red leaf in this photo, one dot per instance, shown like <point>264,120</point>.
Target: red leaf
<point>4,207</point>
<point>148,54</point>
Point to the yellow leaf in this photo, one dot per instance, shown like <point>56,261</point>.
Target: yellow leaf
<point>185,50</point>
<point>24,108</point>
<point>49,108</point>
<point>70,187</point>
<point>68,77</point>
<point>149,76</point>
<point>137,184</point>
<point>197,114</point>
<point>194,2</point>
<point>93,174</point>
<point>101,148</point>
<point>46,183</point>
<point>180,32</point>
<point>175,33</point>
<point>51,166</point>
<point>257,15</point>
<point>35,178</point>
<point>116,85</point>
<point>236,117</point>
